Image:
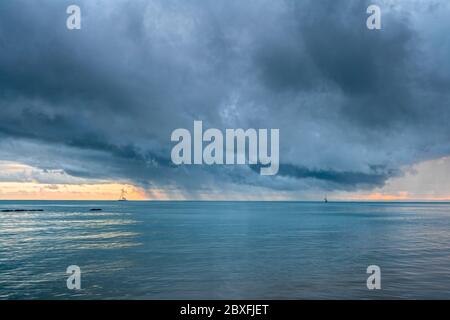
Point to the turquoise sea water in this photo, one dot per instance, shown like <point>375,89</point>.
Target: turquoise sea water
<point>224,250</point>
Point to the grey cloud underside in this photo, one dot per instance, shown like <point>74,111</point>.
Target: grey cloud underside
<point>353,106</point>
<point>337,179</point>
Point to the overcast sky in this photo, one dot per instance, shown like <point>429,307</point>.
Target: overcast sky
<point>356,108</point>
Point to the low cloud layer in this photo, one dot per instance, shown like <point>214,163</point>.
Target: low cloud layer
<point>353,105</point>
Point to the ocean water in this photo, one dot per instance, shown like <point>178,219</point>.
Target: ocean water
<point>224,250</point>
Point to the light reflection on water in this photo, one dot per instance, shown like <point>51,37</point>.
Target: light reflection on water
<point>253,250</point>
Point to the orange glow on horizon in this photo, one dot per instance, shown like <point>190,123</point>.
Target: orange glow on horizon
<point>400,196</point>
<point>40,191</point>
<point>378,197</point>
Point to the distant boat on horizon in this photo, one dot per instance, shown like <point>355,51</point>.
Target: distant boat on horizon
<point>325,199</point>
<point>122,196</point>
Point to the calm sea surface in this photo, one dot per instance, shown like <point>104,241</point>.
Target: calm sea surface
<point>229,250</point>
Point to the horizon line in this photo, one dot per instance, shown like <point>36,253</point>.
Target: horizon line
<point>202,200</point>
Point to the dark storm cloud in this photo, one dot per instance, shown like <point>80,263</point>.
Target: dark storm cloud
<point>353,105</point>
<point>332,179</point>
<point>329,48</point>
<point>350,179</point>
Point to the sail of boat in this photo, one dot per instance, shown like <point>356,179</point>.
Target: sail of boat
<point>122,195</point>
